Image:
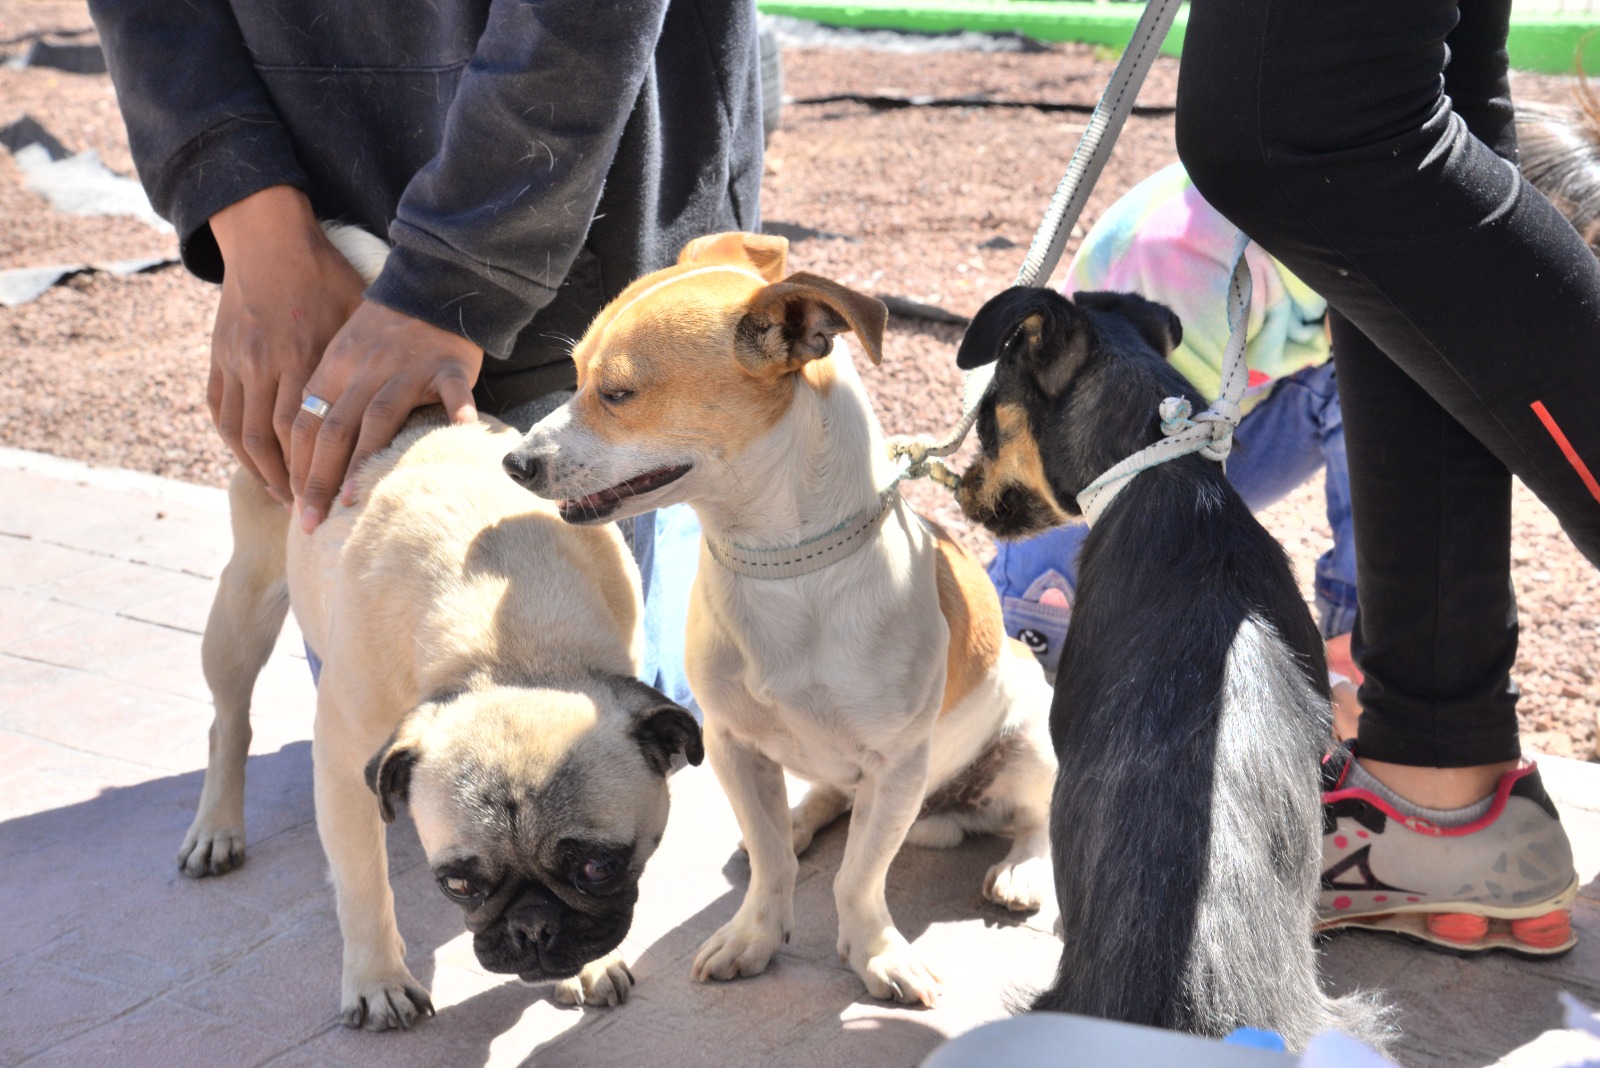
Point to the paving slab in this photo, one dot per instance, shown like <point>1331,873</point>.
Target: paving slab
<point>109,955</point>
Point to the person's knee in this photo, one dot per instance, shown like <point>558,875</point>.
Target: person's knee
<point>1225,162</point>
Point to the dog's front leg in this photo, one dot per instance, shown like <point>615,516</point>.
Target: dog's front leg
<point>887,800</point>
<point>755,788</point>
<point>377,991</point>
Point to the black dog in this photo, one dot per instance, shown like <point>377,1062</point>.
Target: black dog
<point>1191,705</point>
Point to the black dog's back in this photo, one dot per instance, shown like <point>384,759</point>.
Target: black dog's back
<point>1179,589</point>
<point>1191,705</point>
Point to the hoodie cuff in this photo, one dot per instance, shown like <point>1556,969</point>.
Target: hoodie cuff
<point>462,299</point>
<point>222,166</point>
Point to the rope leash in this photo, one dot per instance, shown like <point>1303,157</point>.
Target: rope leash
<point>1211,432</point>
<point>917,454</point>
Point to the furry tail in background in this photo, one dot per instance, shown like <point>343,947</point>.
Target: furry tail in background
<point>1561,156</point>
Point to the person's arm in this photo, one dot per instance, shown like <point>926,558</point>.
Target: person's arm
<point>218,163</point>
<point>487,230</point>
<point>201,126</point>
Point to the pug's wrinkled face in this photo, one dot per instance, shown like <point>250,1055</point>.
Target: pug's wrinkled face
<point>537,809</point>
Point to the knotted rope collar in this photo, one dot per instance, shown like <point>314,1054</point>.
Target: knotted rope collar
<point>1211,432</point>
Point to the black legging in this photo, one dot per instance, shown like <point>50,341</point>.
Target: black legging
<point>1467,338</point>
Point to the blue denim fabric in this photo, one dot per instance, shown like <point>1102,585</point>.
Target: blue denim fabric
<point>1281,443</point>
<point>666,543</point>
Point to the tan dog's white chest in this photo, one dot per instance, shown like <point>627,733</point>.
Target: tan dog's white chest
<point>825,671</point>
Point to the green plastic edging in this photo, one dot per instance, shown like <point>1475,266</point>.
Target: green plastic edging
<point>1044,20</point>
<point>1550,43</point>
<point>1544,43</point>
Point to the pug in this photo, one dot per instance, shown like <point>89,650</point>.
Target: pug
<point>479,660</point>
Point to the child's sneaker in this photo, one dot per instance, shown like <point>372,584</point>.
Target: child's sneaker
<point>1504,881</point>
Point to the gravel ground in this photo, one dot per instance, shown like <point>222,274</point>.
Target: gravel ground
<point>934,204</point>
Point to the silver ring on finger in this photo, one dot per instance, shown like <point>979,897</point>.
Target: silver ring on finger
<point>315,405</point>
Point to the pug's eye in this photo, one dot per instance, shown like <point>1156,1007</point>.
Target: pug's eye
<point>597,873</point>
<point>458,888</point>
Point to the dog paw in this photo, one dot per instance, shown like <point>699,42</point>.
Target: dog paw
<point>936,832</point>
<point>211,850</point>
<point>744,946</point>
<point>385,1004</point>
<point>606,981</point>
<point>1020,886</point>
<point>891,969</point>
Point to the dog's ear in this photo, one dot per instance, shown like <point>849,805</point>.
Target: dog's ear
<point>667,734</point>
<point>389,770</point>
<point>766,254</point>
<point>669,737</point>
<point>1037,330</point>
<point>1156,323</point>
<point>788,324</point>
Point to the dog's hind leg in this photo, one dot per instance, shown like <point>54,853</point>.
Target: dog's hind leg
<point>820,807</point>
<point>1023,880</point>
<point>246,616</point>
<point>942,830</point>
<point>755,788</point>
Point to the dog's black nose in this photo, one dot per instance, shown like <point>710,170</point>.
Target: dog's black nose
<point>525,470</point>
<point>531,930</point>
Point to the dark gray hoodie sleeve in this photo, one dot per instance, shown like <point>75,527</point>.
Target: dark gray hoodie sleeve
<point>487,230</point>
<point>201,125</point>
<point>218,100</point>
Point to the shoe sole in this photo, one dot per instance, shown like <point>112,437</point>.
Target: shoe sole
<point>1536,932</point>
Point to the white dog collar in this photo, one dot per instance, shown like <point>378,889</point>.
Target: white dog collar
<point>813,554</point>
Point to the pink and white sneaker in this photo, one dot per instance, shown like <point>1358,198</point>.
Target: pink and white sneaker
<point>1504,881</point>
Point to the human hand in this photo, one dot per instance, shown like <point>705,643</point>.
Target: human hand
<point>285,292</point>
<point>378,367</point>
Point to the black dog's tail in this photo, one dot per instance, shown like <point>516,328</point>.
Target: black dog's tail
<point>1187,839</point>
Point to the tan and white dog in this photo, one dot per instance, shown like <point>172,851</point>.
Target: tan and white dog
<point>479,660</point>
<point>833,633</point>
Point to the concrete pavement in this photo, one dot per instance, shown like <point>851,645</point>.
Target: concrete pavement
<point>109,956</point>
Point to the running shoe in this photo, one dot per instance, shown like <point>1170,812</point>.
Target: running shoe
<point>1502,882</point>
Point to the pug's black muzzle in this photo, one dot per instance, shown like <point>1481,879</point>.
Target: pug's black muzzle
<point>540,937</point>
